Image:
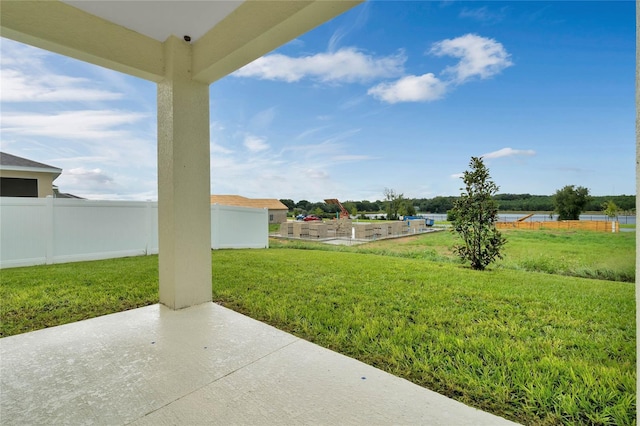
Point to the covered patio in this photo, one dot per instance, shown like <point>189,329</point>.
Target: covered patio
<point>202,365</point>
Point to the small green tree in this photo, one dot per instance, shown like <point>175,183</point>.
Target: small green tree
<point>570,201</point>
<point>451,215</point>
<point>475,215</point>
<point>407,208</point>
<point>610,209</point>
<point>393,201</point>
<point>350,206</point>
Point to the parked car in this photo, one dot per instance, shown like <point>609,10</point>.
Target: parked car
<point>300,217</point>
<point>311,217</point>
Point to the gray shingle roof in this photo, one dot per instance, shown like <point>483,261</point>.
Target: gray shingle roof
<point>58,194</point>
<point>8,160</point>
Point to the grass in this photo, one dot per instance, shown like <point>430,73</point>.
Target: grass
<point>581,254</point>
<point>535,348</point>
<point>274,227</point>
<point>573,253</point>
<point>44,296</point>
<point>538,348</point>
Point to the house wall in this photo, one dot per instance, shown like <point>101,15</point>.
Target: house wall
<point>35,231</point>
<point>277,216</point>
<point>45,180</point>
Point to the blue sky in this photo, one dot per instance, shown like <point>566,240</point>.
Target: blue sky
<point>391,94</point>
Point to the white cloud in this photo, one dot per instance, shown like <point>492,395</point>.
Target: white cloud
<point>21,87</point>
<point>479,57</point>
<point>483,14</point>
<point>354,24</point>
<point>332,139</point>
<point>335,39</point>
<point>310,170</point>
<point>351,158</point>
<point>79,159</point>
<point>88,183</point>
<point>84,124</point>
<point>255,144</point>
<point>309,132</point>
<point>412,88</point>
<point>508,152</point>
<point>219,149</point>
<point>263,119</point>
<point>81,174</point>
<point>53,112</point>
<point>457,176</point>
<point>97,184</point>
<point>346,65</point>
<point>15,54</point>
<point>316,174</point>
<point>24,77</point>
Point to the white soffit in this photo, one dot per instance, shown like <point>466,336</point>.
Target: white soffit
<point>160,19</point>
<point>129,36</point>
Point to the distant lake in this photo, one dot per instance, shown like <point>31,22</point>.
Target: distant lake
<point>512,217</point>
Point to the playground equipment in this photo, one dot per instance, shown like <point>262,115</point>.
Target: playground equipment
<point>343,213</point>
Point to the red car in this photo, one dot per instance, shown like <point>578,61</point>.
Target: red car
<point>311,217</point>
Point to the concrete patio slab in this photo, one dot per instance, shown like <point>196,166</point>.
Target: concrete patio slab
<point>202,365</point>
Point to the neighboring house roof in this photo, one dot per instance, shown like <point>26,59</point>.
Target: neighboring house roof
<point>256,203</point>
<point>58,194</point>
<point>15,163</point>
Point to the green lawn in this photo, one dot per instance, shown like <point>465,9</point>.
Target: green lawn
<point>582,254</point>
<point>44,296</point>
<point>538,348</point>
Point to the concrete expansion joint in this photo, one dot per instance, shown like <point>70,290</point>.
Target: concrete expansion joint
<point>297,340</point>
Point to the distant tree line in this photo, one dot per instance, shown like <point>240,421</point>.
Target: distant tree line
<point>330,210</point>
<point>527,202</point>
<point>506,202</point>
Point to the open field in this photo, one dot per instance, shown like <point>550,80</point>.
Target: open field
<point>573,253</point>
<point>538,348</point>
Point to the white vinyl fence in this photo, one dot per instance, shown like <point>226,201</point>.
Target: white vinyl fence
<point>35,231</point>
<point>239,227</point>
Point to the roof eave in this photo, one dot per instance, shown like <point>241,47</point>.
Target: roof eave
<point>49,170</point>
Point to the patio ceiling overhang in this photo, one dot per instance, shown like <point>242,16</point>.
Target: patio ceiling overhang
<point>128,36</point>
<point>183,46</point>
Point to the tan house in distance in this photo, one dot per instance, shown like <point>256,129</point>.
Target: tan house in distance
<point>20,177</point>
<point>277,210</point>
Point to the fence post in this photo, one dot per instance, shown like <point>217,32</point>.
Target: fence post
<point>266,240</point>
<point>215,234</point>
<point>48,229</point>
<point>148,222</point>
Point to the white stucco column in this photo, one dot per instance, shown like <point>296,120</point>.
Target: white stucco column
<point>184,211</point>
